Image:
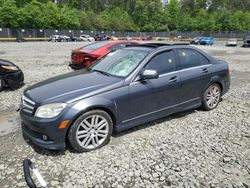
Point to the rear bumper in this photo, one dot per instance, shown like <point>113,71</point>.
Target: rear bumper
<point>76,66</point>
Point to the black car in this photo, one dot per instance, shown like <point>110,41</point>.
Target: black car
<point>196,40</point>
<point>10,75</point>
<point>246,42</point>
<point>128,87</point>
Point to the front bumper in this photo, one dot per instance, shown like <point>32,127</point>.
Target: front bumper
<point>34,128</point>
<point>14,80</point>
<point>246,45</point>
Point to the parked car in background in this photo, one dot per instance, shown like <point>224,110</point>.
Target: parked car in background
<point>126,88</point>
<point>196,40</point>
<point>232,42</point>
<point>128,38</point>
<point>65,38</point>
<point>147,38</point>
<point>87,55</point>
<point>87,38</point>
<point>138,38</point>
<point>59,38</point>
<point>54,38</point>
<point>207,41</point>
<point>11,76</point>
<point>74,39</point>
<point>99,37</point>
<point>114,38</point>
<point>246,42</point>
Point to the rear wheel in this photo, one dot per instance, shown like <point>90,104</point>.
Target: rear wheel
<point>90,131</point>
<point>1,84</point>
<point>211,97</point>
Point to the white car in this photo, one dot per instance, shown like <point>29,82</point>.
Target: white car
<point>65,38</point>
<point>54,38</point>
<point>87,38</point>
<point>232,42</point>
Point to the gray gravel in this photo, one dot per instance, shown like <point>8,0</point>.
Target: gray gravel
<point>189,149</point>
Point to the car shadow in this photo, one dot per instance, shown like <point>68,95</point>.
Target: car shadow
<point>155,122</point>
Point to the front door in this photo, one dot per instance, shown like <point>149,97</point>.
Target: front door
<point>148,98</point>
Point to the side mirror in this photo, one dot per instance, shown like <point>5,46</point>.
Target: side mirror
<point>149,74</point>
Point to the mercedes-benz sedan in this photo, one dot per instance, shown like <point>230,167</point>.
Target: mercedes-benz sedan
<point>128,87</point>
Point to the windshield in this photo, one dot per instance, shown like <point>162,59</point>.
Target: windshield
<point>95,46</point>
<point>120,63</point>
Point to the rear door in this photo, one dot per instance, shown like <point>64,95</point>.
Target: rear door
<point>152,96</point>
<point>196,73</point>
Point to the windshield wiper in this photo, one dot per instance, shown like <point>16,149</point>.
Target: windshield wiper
<point>102,72</point>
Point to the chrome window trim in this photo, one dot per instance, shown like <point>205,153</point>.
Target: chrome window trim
<point>178,71</point>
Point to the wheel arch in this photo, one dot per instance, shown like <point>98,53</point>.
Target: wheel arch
<point>98,107</point>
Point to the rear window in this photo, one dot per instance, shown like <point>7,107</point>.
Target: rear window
<point>94,46</point>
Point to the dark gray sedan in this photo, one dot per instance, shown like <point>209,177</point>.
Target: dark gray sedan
<point>128,87</point>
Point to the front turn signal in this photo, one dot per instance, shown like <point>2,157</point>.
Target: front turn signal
<point>64,124</point>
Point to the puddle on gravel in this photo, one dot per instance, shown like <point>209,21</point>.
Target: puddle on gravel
<point>8,122</point>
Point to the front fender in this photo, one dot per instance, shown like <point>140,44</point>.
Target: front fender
<point>95,102</point>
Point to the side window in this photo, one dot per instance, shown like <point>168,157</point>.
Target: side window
<point>188,58</point>
<point>204,60</point>
<point>163,63</point>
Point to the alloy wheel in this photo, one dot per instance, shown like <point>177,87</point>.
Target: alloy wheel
<point>213,96</point>
<point>92,131</point>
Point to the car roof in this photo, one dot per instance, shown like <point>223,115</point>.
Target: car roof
<point>159,44</point>
<point>151,46</point>
<point>120,41</point>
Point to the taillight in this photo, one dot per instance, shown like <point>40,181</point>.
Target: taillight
<point>77,57</point>
<point>84,59</point>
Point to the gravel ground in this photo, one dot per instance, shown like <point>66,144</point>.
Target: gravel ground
<point>188,149</point>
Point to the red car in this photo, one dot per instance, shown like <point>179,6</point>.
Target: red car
<point>84,57</point>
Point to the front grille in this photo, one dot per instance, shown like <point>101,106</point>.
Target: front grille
<point>28,105</point>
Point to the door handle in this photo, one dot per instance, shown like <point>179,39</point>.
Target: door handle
<point>204,70</point>
<point>173,79</point>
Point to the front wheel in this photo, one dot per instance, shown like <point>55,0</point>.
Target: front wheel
<point>90,131</point>
<point>211,97</point>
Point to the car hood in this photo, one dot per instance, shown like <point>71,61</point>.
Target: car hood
<point>71,87</point>
<point>6,63</point>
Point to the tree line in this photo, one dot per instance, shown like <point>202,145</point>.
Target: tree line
<point>127,15</point>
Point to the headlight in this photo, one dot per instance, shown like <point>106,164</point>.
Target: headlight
<point>10,68</point>
<point>50,110</point>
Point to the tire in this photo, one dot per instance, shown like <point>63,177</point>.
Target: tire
<point>1,84</point>
<point>211,97</point>
<point>90,137</point>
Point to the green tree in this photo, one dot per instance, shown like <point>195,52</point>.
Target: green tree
<point>8,13</point>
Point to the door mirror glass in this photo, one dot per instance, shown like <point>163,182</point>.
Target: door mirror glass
<point>149,74</point>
